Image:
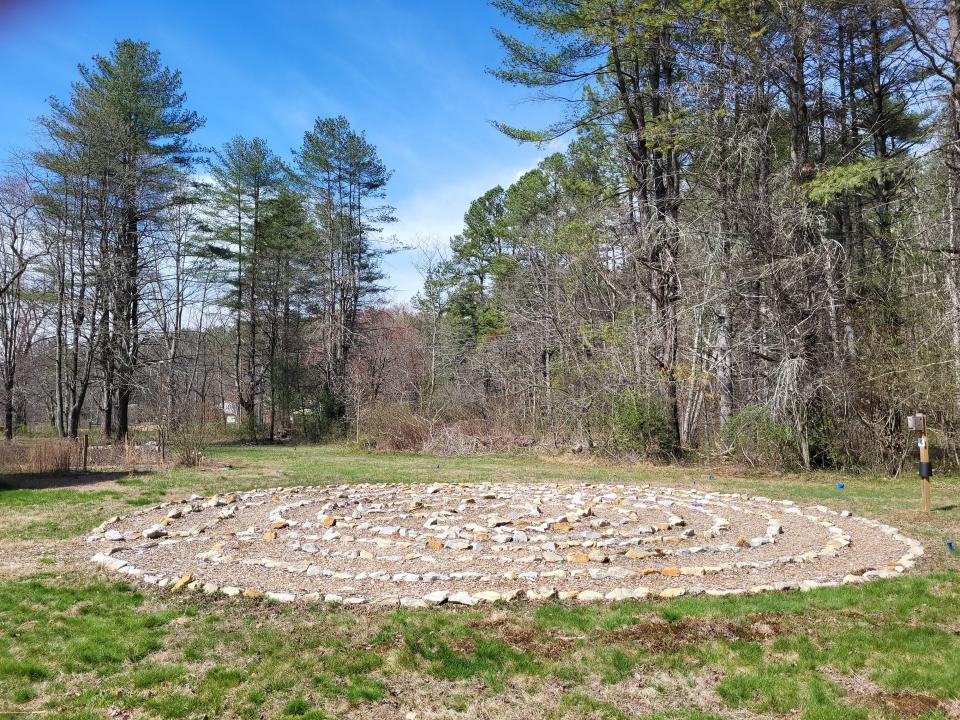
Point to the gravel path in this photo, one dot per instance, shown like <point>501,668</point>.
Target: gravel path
<point>415,545</point>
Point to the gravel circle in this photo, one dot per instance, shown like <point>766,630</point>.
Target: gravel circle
<point>415,545</point>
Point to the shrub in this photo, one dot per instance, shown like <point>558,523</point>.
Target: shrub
<point>394,426</point>
<point>641,424</point>
<point>755,436</point>
<point>189,439</point>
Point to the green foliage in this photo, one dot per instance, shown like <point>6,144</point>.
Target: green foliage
<point>641,424</point>
<point>851,177</point>
<point>753,435</point>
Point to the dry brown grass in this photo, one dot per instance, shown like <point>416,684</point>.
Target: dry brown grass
<point>43,455</point>
<point>52,456</point>
<point>12,455</point>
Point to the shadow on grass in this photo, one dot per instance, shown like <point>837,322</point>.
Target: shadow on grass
<point>46,481</point>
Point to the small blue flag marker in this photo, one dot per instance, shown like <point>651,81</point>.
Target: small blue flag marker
<point>952,549</point>
<point>840,486</point>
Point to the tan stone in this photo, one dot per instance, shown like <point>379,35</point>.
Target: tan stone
<point>251,593</point>
<point>578,558</point>
<point>182,582</point>
<point>269,535</point>
<point>279,524</point>
<point>637,554</point>
<point>434,544</point>
<point>670,572</point>
<point>328,521</point>
<point>672,592</point>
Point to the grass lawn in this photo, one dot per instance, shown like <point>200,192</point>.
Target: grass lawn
<point>74,644</point>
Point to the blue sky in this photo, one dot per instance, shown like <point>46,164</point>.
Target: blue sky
<point>411,74</point>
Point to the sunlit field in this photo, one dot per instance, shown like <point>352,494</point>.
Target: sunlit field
<point>77,644</point>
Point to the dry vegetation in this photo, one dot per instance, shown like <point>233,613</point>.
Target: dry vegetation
<point>41,456</point>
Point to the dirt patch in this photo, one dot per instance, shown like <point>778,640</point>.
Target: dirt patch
<point>655,635</point>
<point>864,691</point>
<point>22,559</point>
<point>525,639</point>
<point>905,704</point>
<point>661,636</point>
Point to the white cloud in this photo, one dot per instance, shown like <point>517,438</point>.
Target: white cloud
<point>437,211</point>
<point>430,216</point>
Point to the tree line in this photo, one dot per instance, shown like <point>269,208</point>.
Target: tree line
<point>745,244</point>
<point>748,247</point>
<point>144,279</point>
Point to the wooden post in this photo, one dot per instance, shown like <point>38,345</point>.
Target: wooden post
<point>918,423</point>
<point>86,447</point>
<point>161,446</point>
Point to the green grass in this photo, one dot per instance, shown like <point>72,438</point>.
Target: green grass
<point>74,646</point>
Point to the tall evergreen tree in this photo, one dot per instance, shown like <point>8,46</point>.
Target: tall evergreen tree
<point>127,119</point>
<point>246,175</point>
<point>343,178</point>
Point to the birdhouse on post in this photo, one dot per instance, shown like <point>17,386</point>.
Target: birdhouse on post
<point>918,423</point>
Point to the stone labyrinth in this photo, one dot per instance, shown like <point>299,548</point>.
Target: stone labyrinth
<point>415,545</point>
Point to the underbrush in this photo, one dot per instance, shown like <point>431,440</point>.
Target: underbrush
<point>396,427</point>
<point>754,437</point>
<point>43,455</point>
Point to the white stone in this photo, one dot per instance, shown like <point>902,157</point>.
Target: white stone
<point>462,598</point>
<point>437,597</point>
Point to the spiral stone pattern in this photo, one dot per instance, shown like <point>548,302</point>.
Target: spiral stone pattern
<point>413,545</point>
